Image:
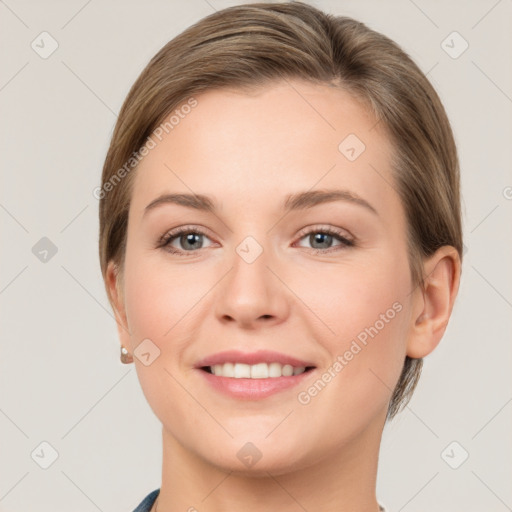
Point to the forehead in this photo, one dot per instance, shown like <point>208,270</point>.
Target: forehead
<point>253,146</point>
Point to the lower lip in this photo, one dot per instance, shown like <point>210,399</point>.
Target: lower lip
<point>253,389</point>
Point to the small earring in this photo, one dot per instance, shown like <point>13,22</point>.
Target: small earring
<point>126,357</point>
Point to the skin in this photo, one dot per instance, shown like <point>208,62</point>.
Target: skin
<point>249,151</point>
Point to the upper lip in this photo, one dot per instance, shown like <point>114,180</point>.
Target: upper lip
<point>261,356</point>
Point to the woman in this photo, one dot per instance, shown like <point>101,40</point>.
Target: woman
<point>280,239</point>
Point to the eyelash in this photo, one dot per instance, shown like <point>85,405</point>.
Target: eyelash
<point>165,241</point>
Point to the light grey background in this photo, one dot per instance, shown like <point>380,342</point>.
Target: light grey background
<point>61,380</point>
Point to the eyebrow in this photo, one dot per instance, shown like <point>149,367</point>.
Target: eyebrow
<point>298,201</point>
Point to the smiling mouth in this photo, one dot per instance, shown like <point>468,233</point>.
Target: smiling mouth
<point>255,371</point>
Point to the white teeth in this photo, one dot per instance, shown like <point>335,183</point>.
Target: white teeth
<point>287,370</point>
<point>275,370</point>
<point>242,371</point>
<point>299,370</point>
<point>256,371</point>
<point>227,369</point>
<point>259,371</point>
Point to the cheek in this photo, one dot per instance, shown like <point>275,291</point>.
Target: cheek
<point>157,297</point>
<point>364,313</point>
<point>351,297</point>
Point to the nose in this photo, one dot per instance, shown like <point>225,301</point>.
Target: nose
<point>251,294</point>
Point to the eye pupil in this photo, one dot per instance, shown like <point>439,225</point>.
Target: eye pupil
<point>189,239</point>
<point>322,238</point>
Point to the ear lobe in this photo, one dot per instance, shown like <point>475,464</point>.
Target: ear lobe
<point>433,305</point>
<point>117,302</point>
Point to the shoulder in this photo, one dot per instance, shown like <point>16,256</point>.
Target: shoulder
<point>147,502</point>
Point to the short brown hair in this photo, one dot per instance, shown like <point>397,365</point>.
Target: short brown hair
<point>249,45</point>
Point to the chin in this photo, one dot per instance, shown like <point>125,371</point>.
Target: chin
<point>255,458</point>
<point>274,465</point>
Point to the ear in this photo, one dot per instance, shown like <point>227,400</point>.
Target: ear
<point>432,305</point>
<point>114,287</point>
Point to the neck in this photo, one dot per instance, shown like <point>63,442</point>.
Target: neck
<point>340,482</point>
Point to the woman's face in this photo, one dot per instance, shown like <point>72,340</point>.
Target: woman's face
<point>299,257</point>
